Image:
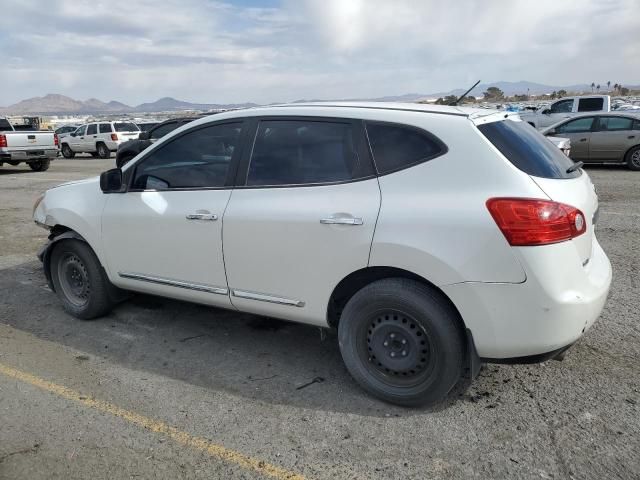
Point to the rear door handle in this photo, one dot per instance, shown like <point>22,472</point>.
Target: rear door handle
<point>341,221</point>
<point>631,137</point>
<point>210,217</point>
<point>583,139</point>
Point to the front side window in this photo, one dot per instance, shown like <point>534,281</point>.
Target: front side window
<point>80,131</point>
<point>396,146</point>
<point>126,127</point>
<point>299,152</point>
<point>92,129</point>
<point>563,106</point>
<point>615,123</point>
<point>197,159</point>
<point>575,126</point>
<point>590,104</point>
<point>105,128</point>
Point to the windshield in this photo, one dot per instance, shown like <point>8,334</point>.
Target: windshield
<point>528,149</point>
<point>126,127</point>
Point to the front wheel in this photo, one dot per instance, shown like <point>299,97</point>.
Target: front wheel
<point>633,158</point>
<point>400,340</point>
<point>79,280</point>
<point>40,165</point>
<point>67,152</point>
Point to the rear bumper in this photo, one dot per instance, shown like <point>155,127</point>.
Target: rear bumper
<point>558,302</point>
<point>27,155</point>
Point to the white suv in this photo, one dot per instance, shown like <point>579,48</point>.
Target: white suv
<point>433,239</point>
<point>99,139</point>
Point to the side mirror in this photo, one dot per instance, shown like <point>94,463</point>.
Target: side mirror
<point>551,132</point>
<point>73,134</point>
<point>546,111</point>
<point>144,136</point>
<point>111,181</point>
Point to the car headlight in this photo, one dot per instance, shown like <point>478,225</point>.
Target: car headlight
<point>36,203</point>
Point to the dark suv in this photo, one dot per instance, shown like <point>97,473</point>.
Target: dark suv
<point>130,149</point>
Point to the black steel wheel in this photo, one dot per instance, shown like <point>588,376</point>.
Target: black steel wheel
<point>40,165</point>
<point>402,341</point>
<point>79,280</point>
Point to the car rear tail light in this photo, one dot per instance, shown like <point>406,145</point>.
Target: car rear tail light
<point>114,137</point>
<point>3,141</point>
<point>529,221</point>
<point>56,142</point>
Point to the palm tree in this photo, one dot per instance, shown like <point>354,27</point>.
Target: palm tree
<point>598,88</point>
<point>609,85</point>
<point>593,85</point>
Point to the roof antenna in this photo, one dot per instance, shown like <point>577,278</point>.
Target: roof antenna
<point>453,104</point>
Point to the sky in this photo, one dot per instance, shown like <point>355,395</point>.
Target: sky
<point>217,51</point>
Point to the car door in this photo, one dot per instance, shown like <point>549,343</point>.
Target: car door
<point>612,137</point>
<point>76,141</point>
<point>164,235</point>
<point>303,217</point>
<point>91,137</point>
<point>579,131</point>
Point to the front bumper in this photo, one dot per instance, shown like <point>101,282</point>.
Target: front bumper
<point>558,302</point>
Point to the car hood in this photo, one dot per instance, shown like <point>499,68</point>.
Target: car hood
<point>78,182</point>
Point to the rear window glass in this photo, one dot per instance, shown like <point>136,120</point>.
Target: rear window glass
<point>590,104</point>
<point>396,146</point>
<point>126,127</point>
<point>528,150</point>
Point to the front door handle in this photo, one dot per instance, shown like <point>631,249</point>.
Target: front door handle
<point>583,139</point>
<point>210,217</point>
<point>341,221</point>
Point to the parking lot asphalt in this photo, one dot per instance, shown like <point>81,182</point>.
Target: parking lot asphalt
<point>164,389</point>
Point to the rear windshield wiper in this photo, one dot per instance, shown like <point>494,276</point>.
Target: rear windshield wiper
<point>575,167</point>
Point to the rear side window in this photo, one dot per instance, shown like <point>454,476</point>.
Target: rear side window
<point>92,129</point>
<point>527,149</point>
<point>395,147</point>
<point>615,123</point>
<point>105,128</point>
<point>126,127</point>
<point>298,152</point>
<point>163,129</point>
<point>590,104</point>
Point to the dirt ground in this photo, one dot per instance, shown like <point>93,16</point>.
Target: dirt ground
<point>164,389</point>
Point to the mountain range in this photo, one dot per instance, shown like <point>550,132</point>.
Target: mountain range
<point>60,104</point>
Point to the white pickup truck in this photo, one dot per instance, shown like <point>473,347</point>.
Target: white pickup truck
<point>567,107</point>
<point>36,149</point>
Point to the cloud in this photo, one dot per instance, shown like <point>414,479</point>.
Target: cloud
<point>217,51</point>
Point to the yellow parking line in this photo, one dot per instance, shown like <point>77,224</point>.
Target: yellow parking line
<point>179,436</point>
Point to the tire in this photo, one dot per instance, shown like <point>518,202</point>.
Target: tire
<point>67,152</point>
<point>633,158</point>
<point>40,165</point>
<point>79,280</point>
<point>122,161</point>
<point>102,151</point>
<point>94,154</point>
<point>15,163</point>
<point>401,342</point>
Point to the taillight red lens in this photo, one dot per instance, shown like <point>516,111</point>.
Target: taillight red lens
<point>3,140</point>
<point>528,221</point>
<point>114,137</point>
<point>55,139</point>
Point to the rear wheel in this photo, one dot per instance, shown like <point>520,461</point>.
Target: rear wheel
<point>633,158</point>
<point>79,280</point>
<point>103,151</point>
<point>67,152</point>
<point>401,342</point>
<point>40,165</point>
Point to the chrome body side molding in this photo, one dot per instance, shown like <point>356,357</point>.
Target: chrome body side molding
<point>175,283</point>
<point>263,297</point>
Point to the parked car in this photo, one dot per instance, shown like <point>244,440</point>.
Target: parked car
<point>565,108</point>
<point>98,138</point>
<point>432,238</point>
<point>564,144</point>
<point>66,130</point>
<point>602,138</point>
<point>128,150</point>
<point>35,148</point>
